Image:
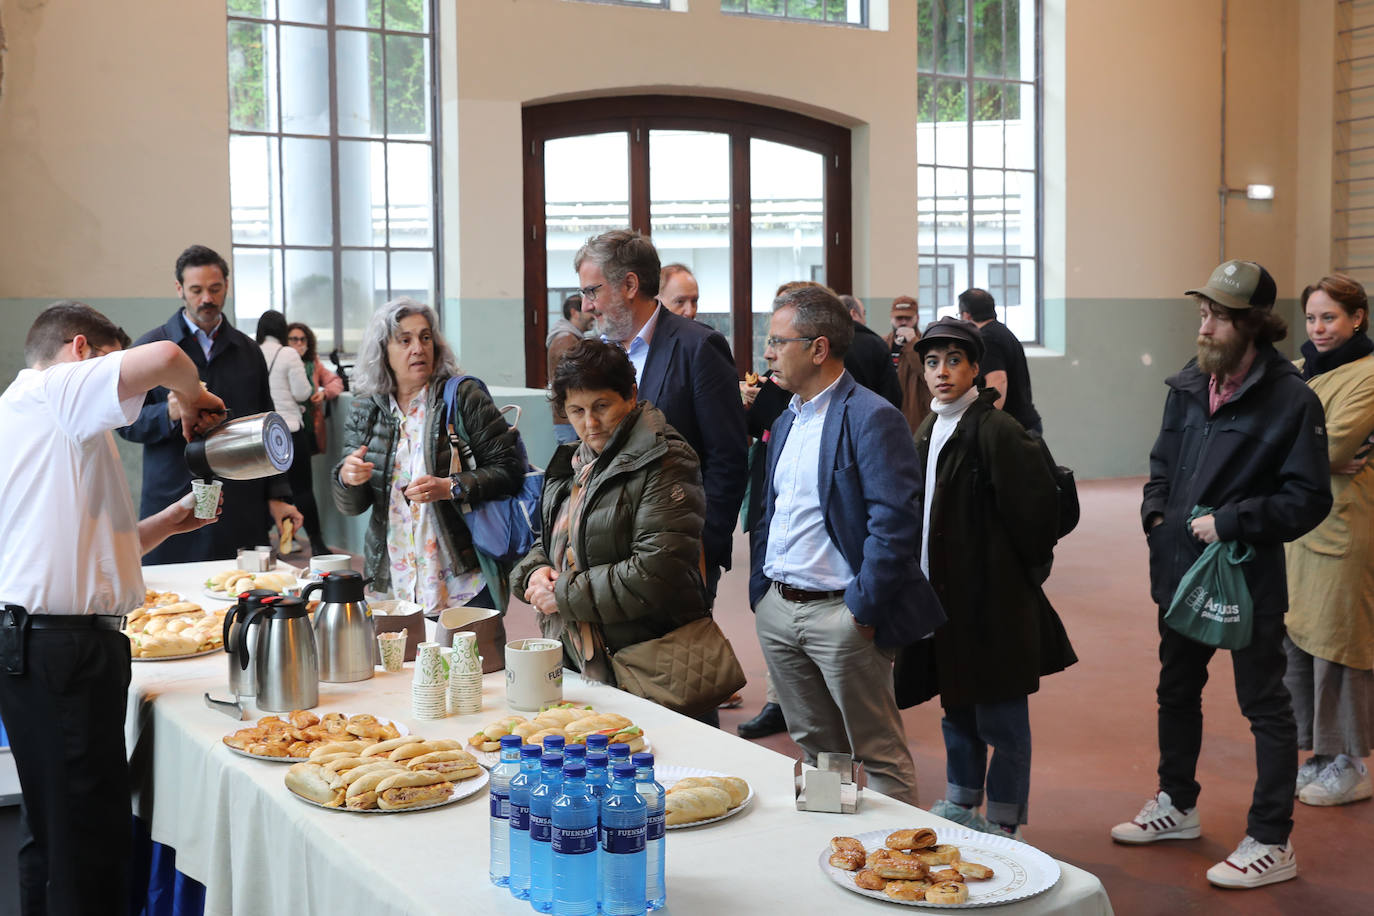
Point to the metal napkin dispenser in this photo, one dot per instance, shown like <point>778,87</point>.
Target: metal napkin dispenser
<point>833,786</point>
<point>244,449</point>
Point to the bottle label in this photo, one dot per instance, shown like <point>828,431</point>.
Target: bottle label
<point>655,826</point>
<point>623,840</point>
<point>574,841</point>
<point>520,817</point>
<point>541,828</point>
<point>500,805</point>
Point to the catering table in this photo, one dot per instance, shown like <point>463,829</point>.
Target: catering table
<point>258,849</point>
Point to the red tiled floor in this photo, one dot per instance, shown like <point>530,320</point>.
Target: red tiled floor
<point>1095,750</point>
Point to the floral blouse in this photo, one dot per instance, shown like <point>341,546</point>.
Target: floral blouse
<point>421,570</point>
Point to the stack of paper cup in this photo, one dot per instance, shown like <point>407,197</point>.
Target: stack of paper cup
<point>428,691</point>
<point>465,676</point>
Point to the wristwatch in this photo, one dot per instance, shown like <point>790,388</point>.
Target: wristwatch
<point>458,492</point>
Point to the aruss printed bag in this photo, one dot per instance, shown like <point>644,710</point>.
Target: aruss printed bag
<point>1212,602</point>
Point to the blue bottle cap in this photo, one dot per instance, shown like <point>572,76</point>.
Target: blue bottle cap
<point>575,768</point>
<point>554,741</point>
<point>575,750</point>
<point>598,741</point>
<point>530,750</point>
<point>619,750</point>
<point>597,759</point>
<point>551,760</point>
<point>624,771</point>
<point>643,759</point>
<point>511,741</point>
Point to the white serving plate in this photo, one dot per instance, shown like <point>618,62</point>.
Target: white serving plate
<point>400,727</point>
<point>1019,870</point>
<point>465,789</point>
<point>172,658</point>
<point>668,776</point>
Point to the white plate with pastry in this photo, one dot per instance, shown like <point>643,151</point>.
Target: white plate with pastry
<point>326,730</point>
<point>227,585</point>
<point>380,785</point>
<point>710,792</point>
<point>172,658</point>
<point>999,870</point>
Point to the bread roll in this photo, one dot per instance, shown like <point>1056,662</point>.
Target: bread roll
<point>310,781</point>
<point>560,716</point>
<point>402,797</point>
<point>382,748</point>
<point>349,777</point>
<point>337,747</point>
<point>578,729</point>
<point>370,780</point>
<point>698,804</point>
<point>539,736</point>
<point>736,788</point>
<point>454,765</point>
<point>416,747</point>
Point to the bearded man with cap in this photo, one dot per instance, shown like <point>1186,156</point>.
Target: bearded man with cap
<point>1244,435</point>
<point>901,346</point>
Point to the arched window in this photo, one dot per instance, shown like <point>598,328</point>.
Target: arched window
<point>746,196</point>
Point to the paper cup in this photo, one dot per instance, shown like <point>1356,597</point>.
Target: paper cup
<point>206,495</point>
<point>392,647</point>
<point>534,673</point>
<point>429,666</point>
<point>331,562</point>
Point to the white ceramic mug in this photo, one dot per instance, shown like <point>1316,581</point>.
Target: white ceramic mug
<point>330,562</point>
<point>534,673</point>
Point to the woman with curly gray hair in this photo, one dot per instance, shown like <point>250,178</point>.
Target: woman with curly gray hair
<point>397,461</point>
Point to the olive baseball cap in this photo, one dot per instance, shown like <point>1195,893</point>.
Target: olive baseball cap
<point>944,330</point>
<point>1239,285</point>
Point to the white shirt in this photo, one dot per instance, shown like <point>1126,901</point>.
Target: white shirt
<point>947,417</point>
<point>287,380</point>
<point>800,552</point>
<point>638,350</point>
<point>71,533</point>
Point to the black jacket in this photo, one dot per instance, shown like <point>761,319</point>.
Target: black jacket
<point>1261,462</point>
<point>869,360</point>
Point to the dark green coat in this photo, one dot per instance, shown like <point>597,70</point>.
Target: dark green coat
<point>499,473</point>
<point>640,540</point>
<point>993,517</point>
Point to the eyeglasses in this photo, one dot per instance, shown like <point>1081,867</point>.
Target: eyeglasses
<point>296,339</point>
<point>776,342</point>
<point>589,292</point>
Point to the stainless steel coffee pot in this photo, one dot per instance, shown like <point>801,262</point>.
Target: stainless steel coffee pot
<point>287,664</point>
<point>244,449</point>
<point>243,680</point>
<point>343,627</point>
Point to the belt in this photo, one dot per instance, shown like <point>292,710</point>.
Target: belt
<point>75,622</point>
<point>803,595</point>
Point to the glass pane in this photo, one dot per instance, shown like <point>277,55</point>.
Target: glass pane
<point>304,80</point>
<point>987,124</point>
<point>950,139</point>
<point>407,86</point>
<point>989,40</point>
<point>307,177</point>
<point>925,209</point>
<point>412,274</point>
<point>689,210</point>
<point>256,277</point>
<point>310,288</point>
<point>305,10</point>
<point>361,279</point>
<point>407,15</point>
<point>362,194</point>
<point>586,193</point>
<point>261,9</point>
<point>940,36</point>
<point>249,55</point>
<point>951,210</point>
<point>366,13</point>
<point>786,222</point>
<point>254,197</point>
<point>1020,52</point>
<point>1020,128</point>
<point>359,89</point>
<point>1021,211</point>
<point>987,211</point>
<point>409,195</point>
<point>1012,284</point>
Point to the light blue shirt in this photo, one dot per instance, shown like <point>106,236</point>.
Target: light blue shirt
<point>206,341</point>
<point>638,350</point>
<point>800,552</point>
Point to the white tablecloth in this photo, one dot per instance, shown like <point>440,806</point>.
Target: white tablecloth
<point>259,850</point>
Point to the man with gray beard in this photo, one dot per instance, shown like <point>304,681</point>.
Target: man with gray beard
<point>1244,441</point>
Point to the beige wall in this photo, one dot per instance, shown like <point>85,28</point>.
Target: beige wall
<point>113,145</point>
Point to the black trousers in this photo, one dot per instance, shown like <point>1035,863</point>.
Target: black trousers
<point>303,486</point>
<point>65,718</point>
<point>1264,700</point>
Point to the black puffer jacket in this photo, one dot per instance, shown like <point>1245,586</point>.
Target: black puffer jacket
<point>1261,462</point>
<point>499,473</point>
<point>640,538</point>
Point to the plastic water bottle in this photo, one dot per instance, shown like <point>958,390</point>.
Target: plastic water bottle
<point>653,794</point>
<point>576,752</point>
<point>598,780</point>
<point>624,827</point>
<point>498,793</point>
<point>574,844</point>
<point>554,743</point>
<point>541,831</point>
<point>520,785</point>
<point>597,742</point>
<point>620,753</point>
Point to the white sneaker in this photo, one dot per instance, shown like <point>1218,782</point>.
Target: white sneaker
<point>1159,820</point>
<point>1254,864</point>
<point>1340,783</point>
<point>1308,772</point>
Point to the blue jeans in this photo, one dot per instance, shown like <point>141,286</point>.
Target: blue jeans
<point>969,732</point>
<point>564,433</point>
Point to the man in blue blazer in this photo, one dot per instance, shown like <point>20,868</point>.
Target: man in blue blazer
<point>836,585</point>
<point>683,367</point>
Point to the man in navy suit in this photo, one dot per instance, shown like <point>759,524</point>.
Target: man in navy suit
<point>835,585</point>
<point>683,367</point>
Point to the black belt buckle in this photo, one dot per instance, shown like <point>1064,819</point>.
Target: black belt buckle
<point>14,628</point>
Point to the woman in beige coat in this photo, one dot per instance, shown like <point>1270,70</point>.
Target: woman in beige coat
<point>1331,569</point>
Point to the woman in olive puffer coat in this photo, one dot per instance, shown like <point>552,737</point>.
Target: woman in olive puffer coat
<point>619,560</point>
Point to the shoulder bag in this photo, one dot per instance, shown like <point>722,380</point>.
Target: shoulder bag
<point>690,670</point>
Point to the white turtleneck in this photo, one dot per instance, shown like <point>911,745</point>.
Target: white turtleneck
<point>947,417</point>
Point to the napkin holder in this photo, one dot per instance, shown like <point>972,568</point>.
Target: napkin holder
<point>395,616</point>
<point>833,785</point>
<point>485,622</point>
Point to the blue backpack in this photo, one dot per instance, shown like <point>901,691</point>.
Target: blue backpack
<point>504,529</point>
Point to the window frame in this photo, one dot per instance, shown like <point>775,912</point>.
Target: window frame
<point>332,29</point>
<point>639,114</point>
<point>863,22</point>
